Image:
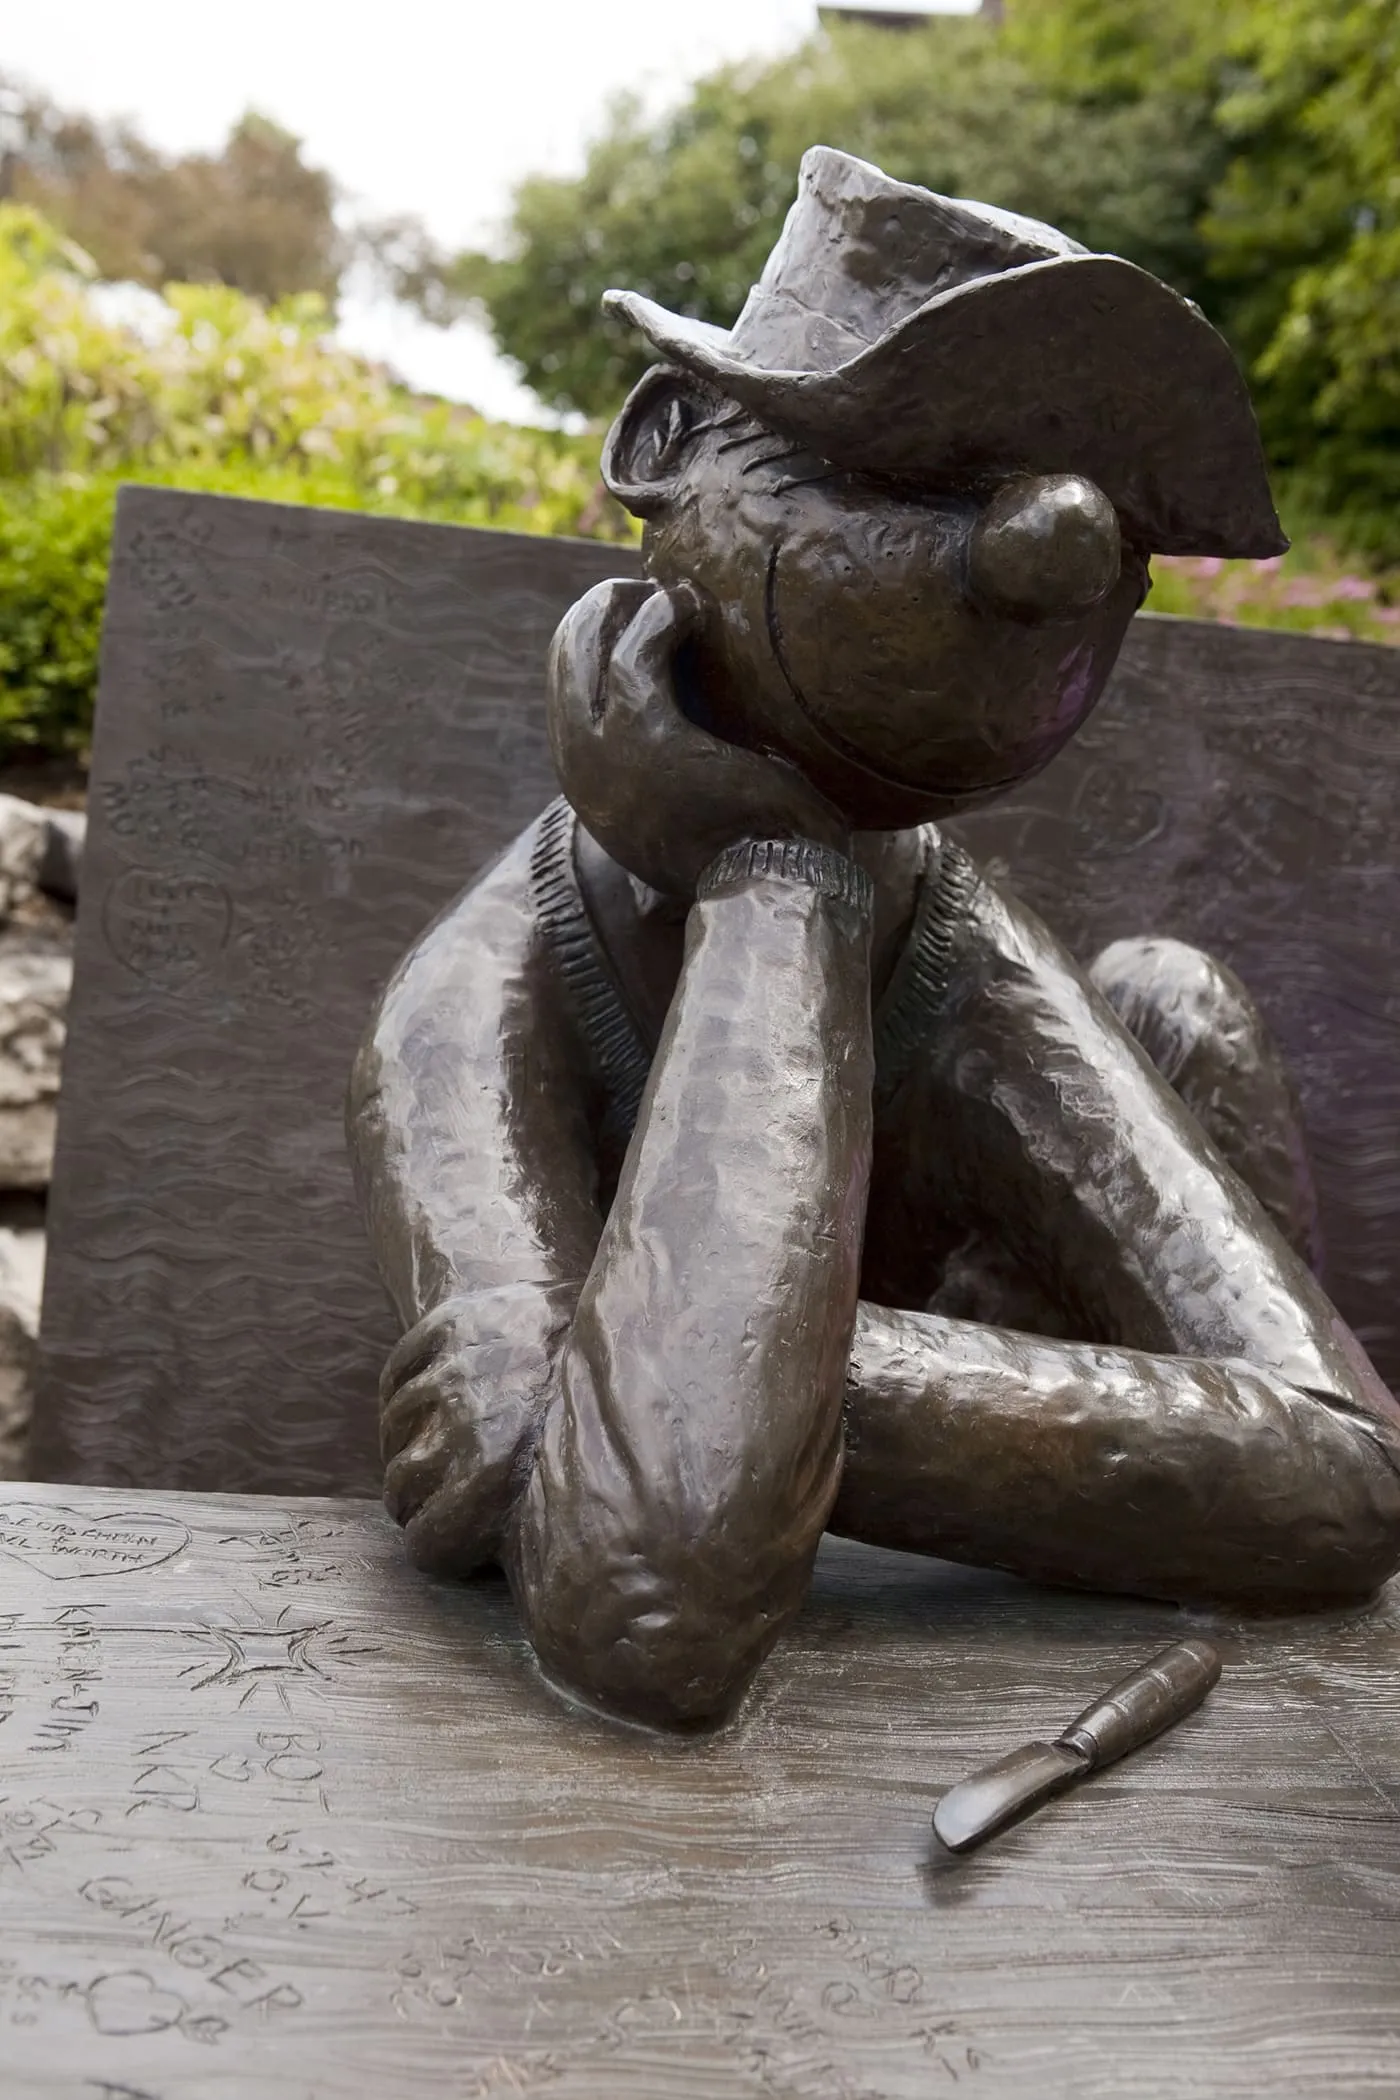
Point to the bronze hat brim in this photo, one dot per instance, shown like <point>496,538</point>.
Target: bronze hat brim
<point>1081,364</point>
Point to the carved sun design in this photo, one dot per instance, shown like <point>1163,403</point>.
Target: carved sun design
<point>257,1655</point>
<point>269,1659</point>
<point>256,1659</point>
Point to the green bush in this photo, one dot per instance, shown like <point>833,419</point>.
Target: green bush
<point>1304,234</point>
<point>217,393</point>
<point>54,538</point>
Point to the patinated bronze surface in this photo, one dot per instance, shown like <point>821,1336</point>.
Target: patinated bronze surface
<point>313,728</point>
<point>743,1161</point>
<point>336,721</point>
<point>1132,1713</point>
<point>279,1823</point>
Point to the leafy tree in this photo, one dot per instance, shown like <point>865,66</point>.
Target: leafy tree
<point>686,209</point>
<point>1304,232</point>
<point>1115,51</point>
<point>254,216</point>
<point>1246,150</point>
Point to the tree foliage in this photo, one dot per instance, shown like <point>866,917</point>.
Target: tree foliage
<point>1304,234</point>
<point>1116,51</point>
<point>254,215</point>
<point>687,208</point>
<point>1246,150</point>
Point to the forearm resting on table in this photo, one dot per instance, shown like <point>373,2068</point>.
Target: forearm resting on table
<point>1223,1435</point>
<point>690,1458</point>
<point>1178,1477</point>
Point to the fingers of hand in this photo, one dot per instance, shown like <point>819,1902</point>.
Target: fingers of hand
<point>417,1471</point>
<point>423,1345</point>
<point>643,718</point>
<point>656,790</point>
<point>581,653</point>
<point>640,679</point>
<point>640,691</point>
<point>451,1534</point>
<point>421,1407</point>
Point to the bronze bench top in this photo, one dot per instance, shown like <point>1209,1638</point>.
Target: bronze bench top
<point>281,1817</point>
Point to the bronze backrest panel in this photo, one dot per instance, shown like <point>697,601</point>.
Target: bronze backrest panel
<point>316,727</point>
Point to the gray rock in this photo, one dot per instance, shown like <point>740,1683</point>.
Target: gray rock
<point>24,844</point>
<point>34,991</point>
<point>21,1290</point>
<point>62,863</point>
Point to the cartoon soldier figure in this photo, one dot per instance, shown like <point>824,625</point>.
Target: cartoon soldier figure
<point>745,1163</point>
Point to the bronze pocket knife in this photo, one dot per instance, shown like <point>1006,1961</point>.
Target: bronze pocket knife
<point>1139,1707</point>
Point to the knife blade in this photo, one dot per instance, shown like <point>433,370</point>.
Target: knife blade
<point>1131,1713</point>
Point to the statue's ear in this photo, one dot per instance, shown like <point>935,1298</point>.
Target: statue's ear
<point>648,442</point>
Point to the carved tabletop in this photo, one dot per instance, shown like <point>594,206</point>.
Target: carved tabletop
<point>281,1817</point>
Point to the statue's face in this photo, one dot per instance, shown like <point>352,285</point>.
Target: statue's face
<point>915,651</point>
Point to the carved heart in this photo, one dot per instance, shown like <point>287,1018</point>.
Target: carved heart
<point>129,2002</point>
<point>69,1545</point>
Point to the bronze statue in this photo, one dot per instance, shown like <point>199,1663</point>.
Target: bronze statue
<point>743,1161</point>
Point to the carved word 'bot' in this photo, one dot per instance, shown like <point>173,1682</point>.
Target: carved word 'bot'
<point>742,1160</point>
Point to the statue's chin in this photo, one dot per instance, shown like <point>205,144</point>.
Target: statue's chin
<point>955,784</point>
<point>948,779</point>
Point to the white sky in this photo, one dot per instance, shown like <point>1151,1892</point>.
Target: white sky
<point>413,105</point>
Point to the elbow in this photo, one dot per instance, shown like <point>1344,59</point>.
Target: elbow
<point>1326,1528</point>
<point>647,1604</point>
<point>1350,1545</point>
<point>635,1654</point>
<point>625,1629</point>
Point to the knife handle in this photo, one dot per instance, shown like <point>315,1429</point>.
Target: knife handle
<point>1144,1702</point>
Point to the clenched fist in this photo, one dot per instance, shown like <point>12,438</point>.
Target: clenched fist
<point>658,793</point>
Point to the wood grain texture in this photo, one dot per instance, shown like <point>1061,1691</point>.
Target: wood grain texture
<point>315,728</point>
<point>281,1817</point>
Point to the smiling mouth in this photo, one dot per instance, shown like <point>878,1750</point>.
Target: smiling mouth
<point>836,745</point>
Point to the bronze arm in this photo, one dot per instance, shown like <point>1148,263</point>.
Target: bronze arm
<point>688,1465</point>
<point>673,1435</point>
<point>1217,1432</point>
<point>472,1124</point>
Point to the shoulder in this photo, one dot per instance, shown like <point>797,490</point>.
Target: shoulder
<point>479,946</point>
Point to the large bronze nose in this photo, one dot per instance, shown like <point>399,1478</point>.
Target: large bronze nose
<point>1046,547</point>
